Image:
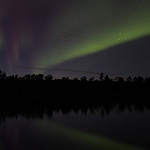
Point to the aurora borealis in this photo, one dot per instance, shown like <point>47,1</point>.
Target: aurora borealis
<point>53,33</point>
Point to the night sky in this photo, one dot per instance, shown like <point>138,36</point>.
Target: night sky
<point>75,37</point>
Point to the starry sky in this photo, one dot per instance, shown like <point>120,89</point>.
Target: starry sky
<point>75,37</point>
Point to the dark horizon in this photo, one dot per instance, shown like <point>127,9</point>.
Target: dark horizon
<point>70,91</point>
<point>95,76</point>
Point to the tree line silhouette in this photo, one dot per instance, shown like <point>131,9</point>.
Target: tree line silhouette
<point>32,96</point>
<point>33,88</point>
<point>49,77</point>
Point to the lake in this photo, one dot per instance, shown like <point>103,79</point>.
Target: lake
<point>83,129</point>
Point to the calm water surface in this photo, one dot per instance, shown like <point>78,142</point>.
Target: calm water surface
<point>82,131</point>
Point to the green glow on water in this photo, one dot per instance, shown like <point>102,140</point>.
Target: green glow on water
<point>86,140</point>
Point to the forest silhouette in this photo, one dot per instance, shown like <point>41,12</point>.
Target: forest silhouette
<point>33,95</point>
<point>46,89</point>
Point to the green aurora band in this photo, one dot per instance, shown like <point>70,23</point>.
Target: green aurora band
<point>112,30</point>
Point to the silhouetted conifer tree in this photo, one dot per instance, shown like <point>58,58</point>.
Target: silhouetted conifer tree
<point>83,78</point>
<point>101,77</point>
<point>107,79</point>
